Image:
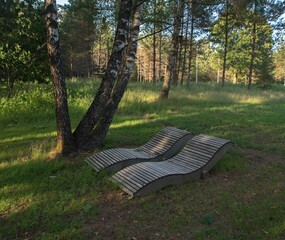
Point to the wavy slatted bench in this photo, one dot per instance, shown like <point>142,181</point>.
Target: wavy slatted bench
<point>200,154</point>
<point>163,145</point>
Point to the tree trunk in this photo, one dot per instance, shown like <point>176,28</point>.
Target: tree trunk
<point>172,61</point>
<point>106,118</point>
<point>235,77</point>
<point>197,67</point>
<point>226,44</point>
<point>191,45</point>
<point>154,47</point>
<point>251,65</point>
<point>10,83</point>
<point>185,44</point>
<point>218,75</point>
<point>99,50</point>
<point>65,140</point>
<point>92,128</point>
<point>179,42</point>
<point>160,56</point>
<point>180,46</point>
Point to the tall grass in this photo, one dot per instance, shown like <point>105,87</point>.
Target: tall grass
<point>252,119</point>
<point>57,199</point>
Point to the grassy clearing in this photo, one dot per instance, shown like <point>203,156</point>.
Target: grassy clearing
<point>64,199</point>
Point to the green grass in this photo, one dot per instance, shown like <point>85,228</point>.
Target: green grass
<point>243,198</point>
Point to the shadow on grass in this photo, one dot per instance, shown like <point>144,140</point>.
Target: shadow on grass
<point>49,198</point>
<point>63,199</point>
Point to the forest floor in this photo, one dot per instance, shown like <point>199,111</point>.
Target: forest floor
<point>242,198</point>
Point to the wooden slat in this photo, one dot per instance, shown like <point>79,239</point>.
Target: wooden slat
<point>195,157</point>
<point>103,160</point>
<point>190,164</point>
<point>147,170</point>
<point>131,180</point>
<point>97,161</point>
<point>190,159</point>
<point>133,172</point>
<point>158,147</point>
<point>186,165</point>
<point>203,147</point>
<point>95,166</point>
<point>127,183</point>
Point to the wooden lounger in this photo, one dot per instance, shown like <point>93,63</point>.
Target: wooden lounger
<point>163,145</point>
<point>200,154</point>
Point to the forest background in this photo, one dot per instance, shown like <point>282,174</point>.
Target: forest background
<point>217,41</point>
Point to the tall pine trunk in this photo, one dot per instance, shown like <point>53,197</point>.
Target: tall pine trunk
<point>65,140</point>
<point>226,44</point>
<point>173,56</point>
<point>154,47</point>
<point>179,41</point>
<point>191,45</point>
<point>185,44</point>
<point>252,57</point>
<point>160,56</point>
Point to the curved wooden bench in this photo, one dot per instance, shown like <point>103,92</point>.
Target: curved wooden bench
<point>200,154</point>
<point>163,145</point>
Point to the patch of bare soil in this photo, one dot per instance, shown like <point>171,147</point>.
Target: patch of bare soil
<point>122,218</point>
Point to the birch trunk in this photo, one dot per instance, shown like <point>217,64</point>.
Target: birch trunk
<point>65,140</point>
<point>93,127</point>
<point>84,131</point>
<point>118,91</point>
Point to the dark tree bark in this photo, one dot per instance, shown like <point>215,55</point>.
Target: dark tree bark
<point>180,46</point>
<point>226,44</point>
<point>65,140</point>
<point>154,47</point>
<point>120,86</point>
<point>179,42</point>
<point>191,45</point>
<point>160,56</point>
<point>185,44</point>
<point>93,127</point>
<point>173,56</point>
<point>10,82</point>
<point>252,57</point>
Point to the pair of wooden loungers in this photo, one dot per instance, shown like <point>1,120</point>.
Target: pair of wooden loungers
<point>154,165</point>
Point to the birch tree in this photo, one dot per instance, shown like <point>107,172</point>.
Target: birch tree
<point>65,140</point>
<point>92,128</point>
